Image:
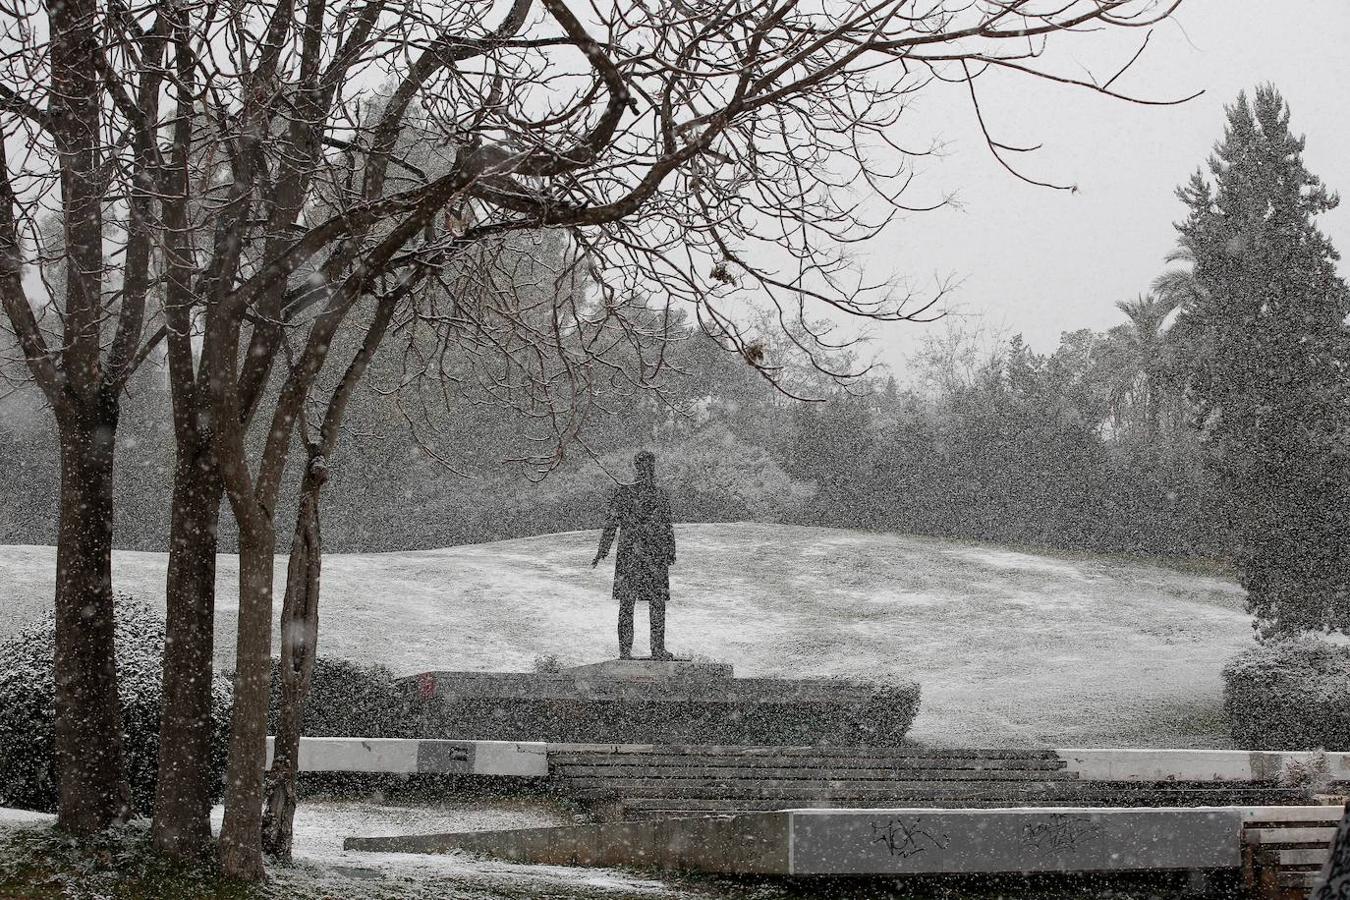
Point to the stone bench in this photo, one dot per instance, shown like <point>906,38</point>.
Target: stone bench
<point>1285,848</point>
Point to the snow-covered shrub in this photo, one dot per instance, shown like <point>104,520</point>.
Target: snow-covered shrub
<point>1290,695</point>
<point>548,664</point>
<point>712,476</point>
<point>348,699</point>
<point>28,709</point>
<point>1310,776</point>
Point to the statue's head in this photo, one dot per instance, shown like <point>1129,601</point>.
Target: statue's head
<point>645,464</point>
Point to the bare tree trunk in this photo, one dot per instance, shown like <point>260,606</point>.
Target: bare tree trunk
<point>299,644</point>
<point>240,847</point>
<point>182,824</point>
<point>93,787</point>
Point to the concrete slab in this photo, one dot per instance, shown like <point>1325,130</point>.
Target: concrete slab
<point>357,755</point>
<point>1193,765</point>
<point>397,755</point>
<point>519,758</point>
<point>872,842</point>
<point>754,844</point>
<point>1296,814</point>
<point>912,841</point>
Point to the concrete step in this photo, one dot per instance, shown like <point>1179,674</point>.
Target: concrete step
<point>1019,792</point>
<point>1291,816</point>
<point>674,808</point>
<point>1289,836</point>
<point>749,764</point>
<point>1304,857</point>
<point>1299,879</point>
<point>616,771</point>
<point>648,751</point>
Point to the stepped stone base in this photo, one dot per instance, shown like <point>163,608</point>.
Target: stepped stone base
<point>655,782</point>
<point>656,702</point>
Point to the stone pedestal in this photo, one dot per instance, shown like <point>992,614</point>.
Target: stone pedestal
<point>646,701</point>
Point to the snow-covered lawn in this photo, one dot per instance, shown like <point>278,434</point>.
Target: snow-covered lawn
<point>323,869</point>
<point>321,826</point>
<point>24,817</point>
<point>1010,648</point>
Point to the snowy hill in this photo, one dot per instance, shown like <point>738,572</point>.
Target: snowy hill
<point>1011,648</point>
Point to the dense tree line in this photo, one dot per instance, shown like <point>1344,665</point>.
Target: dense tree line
<point>1209,421</point>
<point>1075,449</point>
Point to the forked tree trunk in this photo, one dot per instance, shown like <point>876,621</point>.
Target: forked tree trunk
<point>93,791</point>
<point>182,824</point>
<point>299,644</point>
<point>240,846</point>
<point>300,609</point>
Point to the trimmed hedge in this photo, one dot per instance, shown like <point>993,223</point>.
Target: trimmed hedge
<point>1290,695</point>
<point>28,709</point>
<point>347,699</point>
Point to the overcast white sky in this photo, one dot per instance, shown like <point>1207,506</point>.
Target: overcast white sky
<point>1041,262</point>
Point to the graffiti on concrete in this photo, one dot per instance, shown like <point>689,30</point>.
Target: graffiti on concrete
<point>1061,832</point>
<point>905,838</point>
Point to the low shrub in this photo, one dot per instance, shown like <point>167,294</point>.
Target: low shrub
<point>28,709</point>
<point>1290,695</point>
<point>347,699</point>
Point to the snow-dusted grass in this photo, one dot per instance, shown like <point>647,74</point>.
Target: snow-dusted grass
<point>24,817</point>
<point>321,826</point>
<point>35,861</point>
<point>1011,648</point>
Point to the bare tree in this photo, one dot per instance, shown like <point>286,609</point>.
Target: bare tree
<point>300,604</point>
<point>54,117</point>
<point>695,154</point>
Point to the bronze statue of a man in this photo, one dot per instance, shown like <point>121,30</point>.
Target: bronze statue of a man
<point>640,513</point>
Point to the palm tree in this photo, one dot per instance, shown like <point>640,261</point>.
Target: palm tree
<point>1183,292</point>
<point>1137,355</point>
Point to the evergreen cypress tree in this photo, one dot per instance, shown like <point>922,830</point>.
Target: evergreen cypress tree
<point>1266,332</point>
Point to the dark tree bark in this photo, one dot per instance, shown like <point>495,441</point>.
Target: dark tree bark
<point>93,791</point>
<point>299,643</point>
<point>240,846</point>
<point>181,823</point>
<point>300,608</point>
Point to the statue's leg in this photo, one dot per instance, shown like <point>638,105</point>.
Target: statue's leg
<point>658,592</point>
<point>626,625</point>
<point>657,610</point>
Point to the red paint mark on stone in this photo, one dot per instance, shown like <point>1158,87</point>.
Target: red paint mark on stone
<point>426,685</point>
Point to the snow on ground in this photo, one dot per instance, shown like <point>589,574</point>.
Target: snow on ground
<point>1011,648</point>
<point>24,817</point>
<point>322,825</point>
<point>323,868</point>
